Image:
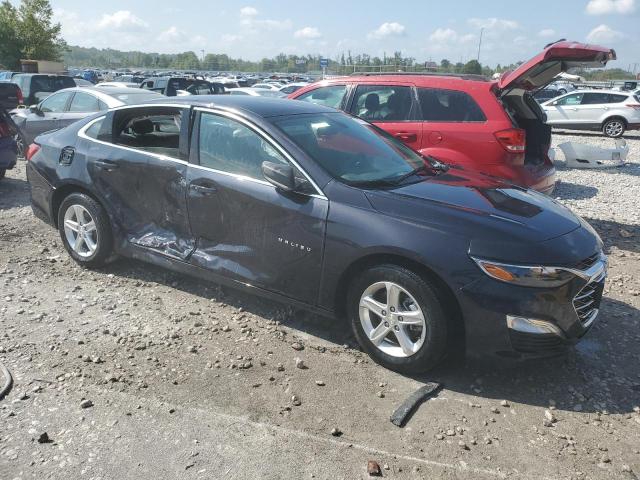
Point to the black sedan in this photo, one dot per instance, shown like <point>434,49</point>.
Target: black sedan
<point>312,207</point>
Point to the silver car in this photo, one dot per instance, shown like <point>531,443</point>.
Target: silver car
<point>610,111</point>
<point>66,106</point>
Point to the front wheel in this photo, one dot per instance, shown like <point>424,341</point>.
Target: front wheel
<point>85,230</point>
<point>614,128</point>
<point>398,318</point>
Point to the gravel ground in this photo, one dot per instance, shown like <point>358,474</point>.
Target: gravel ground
<point>136,372</point>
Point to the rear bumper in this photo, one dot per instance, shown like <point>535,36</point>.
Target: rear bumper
<point>41,195</point>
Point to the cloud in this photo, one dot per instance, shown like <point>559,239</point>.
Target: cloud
<point>388,29</point>
<point>604,34</point>
<point>546,32</point>
<point>172,34</point>
<point>308,33</point>
<point>122,21</point>
<point>605,7</point>
<point>248,12</point>
<point>443,35</point>
<point>494,23</point>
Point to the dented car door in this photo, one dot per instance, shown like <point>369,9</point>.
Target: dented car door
<point>246,229</point>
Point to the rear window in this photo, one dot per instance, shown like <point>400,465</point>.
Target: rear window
<point>135,97</point>
<point>51,84</point>
<point>439,105</point>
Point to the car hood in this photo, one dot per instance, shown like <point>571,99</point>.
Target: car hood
<point>477,204</point>
<point>553,60</point>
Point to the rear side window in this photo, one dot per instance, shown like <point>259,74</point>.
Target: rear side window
<point>439,105</point>
<point>94,130</point>
<point>149,131</point>
<point>595,98</point>
<point>83,102</point>
<point>617,98</point>
<point>378,103</point>
<point>230,146</point>
<point>330,96</point>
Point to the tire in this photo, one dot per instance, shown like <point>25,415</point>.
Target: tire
<point>562,91</point>
<point>81,215</point>
<point>614,127</point>
<point>21,146</point>
<point>427,339</point>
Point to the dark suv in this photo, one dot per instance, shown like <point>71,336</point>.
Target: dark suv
<point>495,127</point>
<point>37,86</point>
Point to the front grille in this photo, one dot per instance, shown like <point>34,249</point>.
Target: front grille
<point>587,262</point>
<point>587,301</point>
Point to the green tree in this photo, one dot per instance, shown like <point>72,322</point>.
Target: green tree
<point>10,46</point>
<point>445,65</point>
<point>39,37</point>
<point>472,66</point>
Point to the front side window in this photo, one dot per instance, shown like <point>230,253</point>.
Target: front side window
<point>327,96</point>
<point>377,103</point>
<point>55,103</point>
<point>573,99</point>
<point>440,105</point>
<point>83,102</point>
<point>150,130</point>
<point>350,149</point>
<point>229,146</point>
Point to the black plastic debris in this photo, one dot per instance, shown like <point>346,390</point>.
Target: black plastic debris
<point>401,415</point>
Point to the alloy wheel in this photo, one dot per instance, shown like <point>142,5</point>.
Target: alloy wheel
<point>80,231</point>
<point>614,128</point>
<point>392,319</point>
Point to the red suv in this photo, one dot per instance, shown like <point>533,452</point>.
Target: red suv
<point>495,127</point>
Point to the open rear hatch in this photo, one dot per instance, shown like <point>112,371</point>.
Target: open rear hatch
<point>515,91</point>
<point>554,59</point>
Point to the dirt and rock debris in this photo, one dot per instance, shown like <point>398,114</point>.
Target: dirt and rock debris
<point>136,372</point>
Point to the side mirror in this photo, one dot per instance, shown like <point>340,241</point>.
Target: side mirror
<point>35,109</point>
<point>279,175</point>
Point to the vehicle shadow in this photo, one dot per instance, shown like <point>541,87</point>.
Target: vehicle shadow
<point>629,135</point>
<point>615,234</point>
<point>572,191</point>
<point>14,193</point>
<point>598,374</point>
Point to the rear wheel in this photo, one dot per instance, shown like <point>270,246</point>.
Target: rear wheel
<point>85,230</point>
<point>398,318</point>
<point>614,127</point>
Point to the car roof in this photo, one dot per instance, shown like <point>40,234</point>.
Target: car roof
<point>420,79</point>
<point>260,106</point>
<point>597,90</point>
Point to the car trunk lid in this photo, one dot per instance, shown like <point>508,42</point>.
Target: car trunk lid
<point>553,60</point>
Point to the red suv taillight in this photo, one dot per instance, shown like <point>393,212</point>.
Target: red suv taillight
<point>20,97</point>
<point>31,151</point>
<point>513,140</point>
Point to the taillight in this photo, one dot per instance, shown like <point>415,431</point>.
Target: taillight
<point>20,97</point>
<point>635,106</point>
<point>513,140</point>
<point>31,151</point>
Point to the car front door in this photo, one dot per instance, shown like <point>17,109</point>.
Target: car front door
<point>47,116</point>
<point>136,166</point>
<point>246,229</point>
<point>565,110</point>
<point>390,107</point>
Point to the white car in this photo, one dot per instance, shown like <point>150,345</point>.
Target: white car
<point>256,92</point>
<point>268,86</point>
<point>117,85</point>
<point>292,87</point>
<point>613,112</point>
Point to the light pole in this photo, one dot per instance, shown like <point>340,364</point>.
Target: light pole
<point>480,43</point>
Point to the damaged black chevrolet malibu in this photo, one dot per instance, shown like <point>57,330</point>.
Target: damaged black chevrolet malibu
<point>312,207</point>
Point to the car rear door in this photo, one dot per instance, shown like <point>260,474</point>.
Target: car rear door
<point>137,167</point>
<point>592,108</point>
<point>390,106</point>
<point>82,105</point>
<point>246,229</point>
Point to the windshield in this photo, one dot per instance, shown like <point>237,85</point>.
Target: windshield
<point>51,84</point>
<point>351,150</point>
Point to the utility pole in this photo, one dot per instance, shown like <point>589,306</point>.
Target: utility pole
<point>480,43</point>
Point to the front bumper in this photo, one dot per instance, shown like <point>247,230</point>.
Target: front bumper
<point>525,322</point>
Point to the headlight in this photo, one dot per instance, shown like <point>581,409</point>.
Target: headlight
<point>525,276</point>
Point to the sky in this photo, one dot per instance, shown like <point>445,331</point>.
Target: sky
<point>423,29</point>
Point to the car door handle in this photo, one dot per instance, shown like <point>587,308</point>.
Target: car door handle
<point>406,136</point>
<point>203,189</point>
<point>106,165</point>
